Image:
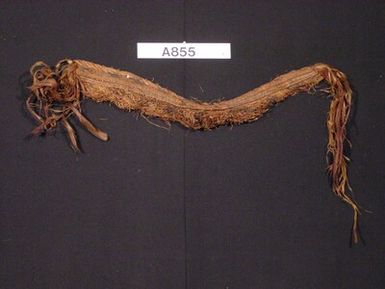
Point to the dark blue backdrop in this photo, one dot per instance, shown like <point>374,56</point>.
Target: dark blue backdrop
<point>242,207</point>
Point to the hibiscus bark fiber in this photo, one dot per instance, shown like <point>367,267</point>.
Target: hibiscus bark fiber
<point>56,95</point>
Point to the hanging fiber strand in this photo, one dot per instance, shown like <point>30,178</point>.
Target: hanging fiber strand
<point>56,95</point>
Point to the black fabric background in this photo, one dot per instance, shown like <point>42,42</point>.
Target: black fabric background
<point>242,207</point>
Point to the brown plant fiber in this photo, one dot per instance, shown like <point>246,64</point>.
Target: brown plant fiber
<point>56,95</point>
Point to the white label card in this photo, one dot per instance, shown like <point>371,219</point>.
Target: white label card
<point>169,50</point>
